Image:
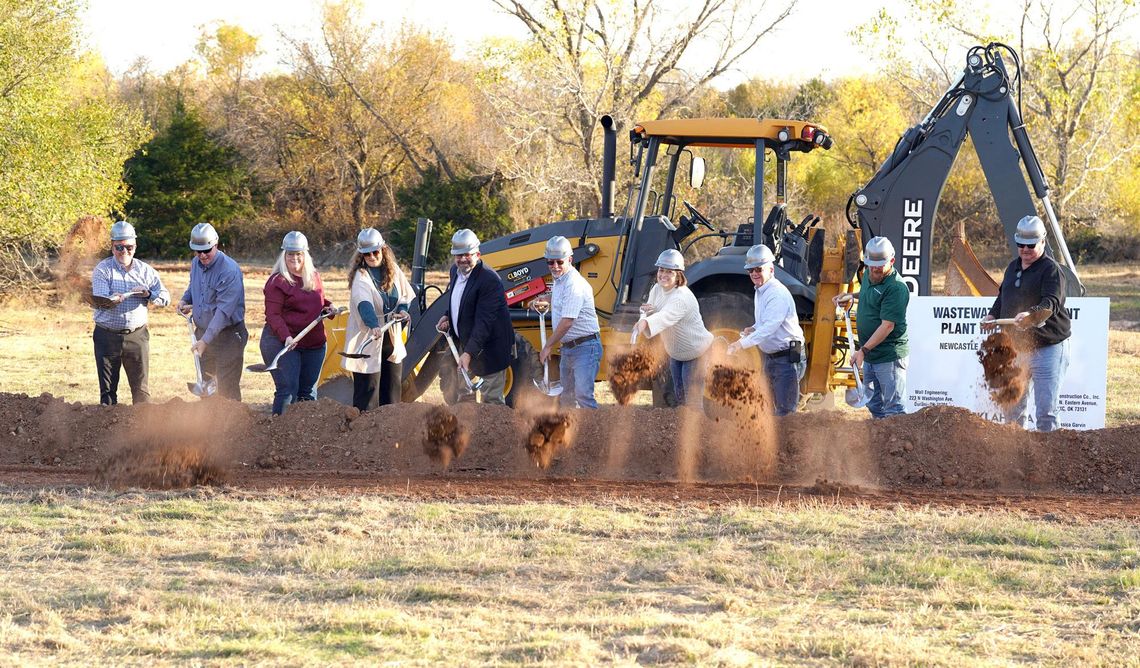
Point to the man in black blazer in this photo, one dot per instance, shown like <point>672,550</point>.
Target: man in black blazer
<point>477,304</point>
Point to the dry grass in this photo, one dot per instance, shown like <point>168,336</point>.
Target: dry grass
<point>307,578</point>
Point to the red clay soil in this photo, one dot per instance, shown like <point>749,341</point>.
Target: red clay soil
<point>936,451</point>
<point>1005,377</point>
<point>630,371</point>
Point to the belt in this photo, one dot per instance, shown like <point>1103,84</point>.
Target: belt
<point>579,341</point>
<point>785,352</point>
<point>120,332</point>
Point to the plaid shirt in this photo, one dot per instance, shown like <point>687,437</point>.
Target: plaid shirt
<point>110,277</point>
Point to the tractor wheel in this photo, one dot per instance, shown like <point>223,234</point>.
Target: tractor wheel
<point>725,315</point>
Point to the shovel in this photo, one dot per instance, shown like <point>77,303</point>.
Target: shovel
<point>106,302</point>
<point>1035,319</point>
<point>262,368</point>
<point>546,387</point>
<point>471,385</point>
<point>360,354</point>
<point>202,388</point>
<point>858,396</point>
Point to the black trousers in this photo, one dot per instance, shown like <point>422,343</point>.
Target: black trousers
<point>130,352</point>
<point>389,382</point>
<point>224,359</point>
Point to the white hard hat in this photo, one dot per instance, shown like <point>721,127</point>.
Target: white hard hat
<point>463,242</point>
<point>369,240</point>
<point>879,252</point>
<point>757,256</point>
<point>671,258</point>
<point>295,241</point>
<point>558,248</point>
<point>203,237</point>
<point>122,230</point>
<point>1030,230</point>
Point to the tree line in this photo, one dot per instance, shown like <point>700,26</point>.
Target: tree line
<point>372,125</point>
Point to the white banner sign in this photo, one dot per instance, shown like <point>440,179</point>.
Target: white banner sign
<point>944,368</point>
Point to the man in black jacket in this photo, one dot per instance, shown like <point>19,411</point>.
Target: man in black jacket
<point>477,305</point>
<point>1033,282</point>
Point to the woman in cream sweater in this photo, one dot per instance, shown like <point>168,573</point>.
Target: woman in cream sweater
<point>672,312</point>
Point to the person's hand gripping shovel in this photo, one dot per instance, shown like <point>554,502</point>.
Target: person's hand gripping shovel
<point>201,387</point>
<point>545,386</point>
<point>292,343</point>
<point>359,354</point>
<point>470,385</point>
<point>1024,320</point>
<point>858,396</point>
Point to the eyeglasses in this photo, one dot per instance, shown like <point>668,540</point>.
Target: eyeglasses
<point>1032,245</point>
<point>122,248</point>
<point>756,270</point>
<point>372,253</point>
<point>552,263</point>
<point>1017,283</point>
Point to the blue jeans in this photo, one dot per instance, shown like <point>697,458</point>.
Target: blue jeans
<point>888,382</point>
<point>1047,366</point>
<point>688,381</point>
<point>296,374</point>
<point>784,381</point>
<point>579,368</point>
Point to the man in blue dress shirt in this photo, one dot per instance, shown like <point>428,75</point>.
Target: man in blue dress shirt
<point>216,295</point>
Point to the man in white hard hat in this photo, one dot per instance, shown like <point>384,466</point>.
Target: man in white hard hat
<point>881,319</point>
<point>1033,282</point>
<point>477,316</point>
<point>122,286</point>
<point>575,327</point>
<point>776,331</point>
<point>216,296</point>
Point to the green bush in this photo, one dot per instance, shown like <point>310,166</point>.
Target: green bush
<point>473,203</point>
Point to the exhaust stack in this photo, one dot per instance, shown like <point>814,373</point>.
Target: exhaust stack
<point>609,160</point>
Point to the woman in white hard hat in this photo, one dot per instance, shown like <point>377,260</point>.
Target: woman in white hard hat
<point>672,312</point>
<point>379,292</point>
<point>294,298</point>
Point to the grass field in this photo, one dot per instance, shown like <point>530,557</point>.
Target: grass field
<point>306,577</point>
<point>236,578</point>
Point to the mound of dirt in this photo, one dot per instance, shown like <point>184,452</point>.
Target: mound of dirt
<point>549,434</point>
<point>1005,378</point>
<point>444,438</point>
<point>193,442</point>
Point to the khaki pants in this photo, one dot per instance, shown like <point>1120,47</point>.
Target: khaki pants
<point>492,390</point>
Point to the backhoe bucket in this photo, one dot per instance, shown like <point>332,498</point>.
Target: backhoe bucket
<point>965,276</point>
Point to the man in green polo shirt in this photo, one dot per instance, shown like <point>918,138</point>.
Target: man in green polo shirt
<point>881,320</point>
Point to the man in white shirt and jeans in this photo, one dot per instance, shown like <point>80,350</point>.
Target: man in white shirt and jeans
<point>777,331</point>
<point>575,325</point>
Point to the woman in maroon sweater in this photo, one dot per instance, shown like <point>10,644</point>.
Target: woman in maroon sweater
<point>294,297</point>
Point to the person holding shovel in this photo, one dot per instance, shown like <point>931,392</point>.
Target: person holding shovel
<point>1033,285</point>
<point>216,297</point>
<point>672,311</point>
<point>294,298</point>
<point>477,315</point>
<point>881,322</point>
<point>776,331</point>
<point>121,287</point>
<point>379,294</point>
<point>575,326</point>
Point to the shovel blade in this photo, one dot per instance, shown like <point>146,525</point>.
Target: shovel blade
<point>857,397</point>
<point>260,368</point>
<point>354,356</point>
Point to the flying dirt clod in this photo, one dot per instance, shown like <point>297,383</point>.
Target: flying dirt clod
<point>549,434</point>
<point>445,438</point>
